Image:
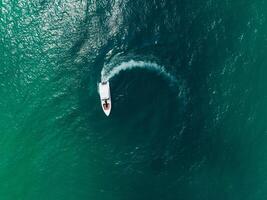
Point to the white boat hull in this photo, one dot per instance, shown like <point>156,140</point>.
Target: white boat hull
<point>105,97</point>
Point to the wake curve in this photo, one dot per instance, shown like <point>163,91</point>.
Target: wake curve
<point>108,72</point>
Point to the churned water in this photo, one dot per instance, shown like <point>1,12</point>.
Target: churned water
<point>189,104</point>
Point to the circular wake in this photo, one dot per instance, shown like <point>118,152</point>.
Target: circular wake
<point>108,71</point>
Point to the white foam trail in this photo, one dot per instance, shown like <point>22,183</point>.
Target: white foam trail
<point>108,72</point>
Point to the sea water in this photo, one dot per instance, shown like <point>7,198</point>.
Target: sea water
<point>189,104</point>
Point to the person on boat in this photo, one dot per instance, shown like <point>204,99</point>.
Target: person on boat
<point>106,104</point>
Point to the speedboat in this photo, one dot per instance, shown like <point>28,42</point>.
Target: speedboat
<point>105,97</point>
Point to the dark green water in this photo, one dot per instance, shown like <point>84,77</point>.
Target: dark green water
<point>189,124</point>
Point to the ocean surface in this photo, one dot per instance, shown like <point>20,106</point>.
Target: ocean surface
<point>189,100</point>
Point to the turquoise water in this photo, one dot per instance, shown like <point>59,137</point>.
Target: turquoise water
<point>188,82</point>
